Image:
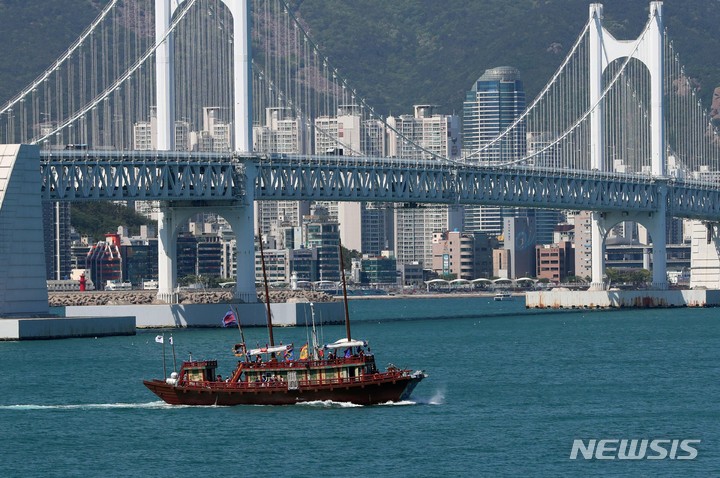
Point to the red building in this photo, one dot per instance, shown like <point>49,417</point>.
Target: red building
<point>104,261</point>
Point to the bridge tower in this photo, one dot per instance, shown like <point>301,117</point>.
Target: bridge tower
<point>240,216</point>
<point>604,49</point>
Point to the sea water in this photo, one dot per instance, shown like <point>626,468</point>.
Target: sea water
<point>507,392</point>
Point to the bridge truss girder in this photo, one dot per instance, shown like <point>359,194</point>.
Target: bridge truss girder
<point>112,177</point>
<point>449,183</point>
<point>176,176</point>
<point>693,202</point>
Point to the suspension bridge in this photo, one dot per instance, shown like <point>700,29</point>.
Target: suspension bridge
<point>214,104</point>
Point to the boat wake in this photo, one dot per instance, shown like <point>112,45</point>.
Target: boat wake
<point>327,404</point>
<point>88,406</point>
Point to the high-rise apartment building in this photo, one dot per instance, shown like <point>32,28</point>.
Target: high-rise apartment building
<point>437,135</point>
<point>583,244</point>
<point>145,134</point>
<point>339,134</point>
<point>56,229</point>
<point>323,235</point>
<point>282,133</point>
<point>363,226</point>
<point>414,227</point>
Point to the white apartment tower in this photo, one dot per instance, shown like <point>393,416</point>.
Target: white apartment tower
<point>363,226</point>
<point>438,136</point>
<point>282,133</point>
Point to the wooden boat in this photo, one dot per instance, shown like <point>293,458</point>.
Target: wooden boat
<point>266,376</point>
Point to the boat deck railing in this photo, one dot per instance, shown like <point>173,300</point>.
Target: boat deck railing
<point>282,384</point>
<point>302,364</point>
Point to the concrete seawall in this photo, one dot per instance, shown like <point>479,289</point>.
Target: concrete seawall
<point>210,315</point>
<point>39,328</point>
<point>571,299</point>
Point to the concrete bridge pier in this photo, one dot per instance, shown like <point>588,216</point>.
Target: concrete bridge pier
<point>24,310</point>
<point>654,221</point>
<point>597,250</point>
<point>23,290</point>
<point>240,217</point>
<point>167,267</point>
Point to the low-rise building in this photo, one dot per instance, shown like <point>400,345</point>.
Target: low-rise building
<point>554,262</point>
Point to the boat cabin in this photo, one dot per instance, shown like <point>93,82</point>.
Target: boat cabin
<point>198,371</point>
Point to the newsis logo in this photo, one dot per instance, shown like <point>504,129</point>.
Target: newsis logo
<point>645,449</point>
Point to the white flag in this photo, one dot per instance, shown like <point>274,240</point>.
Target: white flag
<point>170,340</point>
<point>159,339</point>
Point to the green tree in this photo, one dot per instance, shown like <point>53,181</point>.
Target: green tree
<point>95,219</point>
<point>348,255</point>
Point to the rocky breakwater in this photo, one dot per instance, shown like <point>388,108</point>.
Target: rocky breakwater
<point>137,297</point>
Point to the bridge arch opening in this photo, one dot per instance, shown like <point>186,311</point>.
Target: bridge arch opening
<point>186,251</point>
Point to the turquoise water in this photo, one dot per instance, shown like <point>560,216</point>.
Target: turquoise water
<point>506,395</point>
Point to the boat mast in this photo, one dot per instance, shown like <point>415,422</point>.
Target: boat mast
<point>314,332</point>
<point>345,299</point>
<point>242,335</point>
<point>267,292</point>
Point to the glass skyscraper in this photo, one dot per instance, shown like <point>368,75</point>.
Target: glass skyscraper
<point>495,101</point>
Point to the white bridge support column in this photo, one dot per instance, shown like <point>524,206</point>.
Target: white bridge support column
<point>597,251</point>
<point>597,141</point>
<point>242,74</point>
<point>604,49</point>
<point>165,76</point>
<point>241,217</point>
<point>242,221</point>
<point>169,220</point>
<point>657,227</point>
<point>167,268</point>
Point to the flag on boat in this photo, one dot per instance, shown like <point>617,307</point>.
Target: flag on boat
<point>289,352</point>
<point>304,352</point>
<point>229,320</point>
<point>159,339</point>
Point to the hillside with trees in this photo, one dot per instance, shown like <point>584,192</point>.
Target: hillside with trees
<point>403,52</point>
<point>406,52</point>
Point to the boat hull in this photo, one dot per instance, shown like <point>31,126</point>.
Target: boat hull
<point>391,390</point>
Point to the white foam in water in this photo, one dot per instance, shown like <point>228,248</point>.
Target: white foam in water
<point>328,404</point>
<point>87,406</point>
<point>400,403</point>
<point>438,398</point>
